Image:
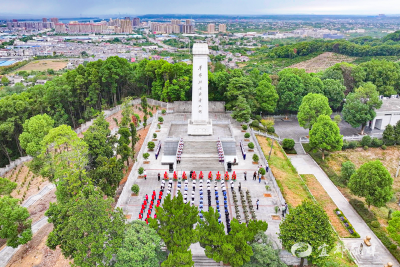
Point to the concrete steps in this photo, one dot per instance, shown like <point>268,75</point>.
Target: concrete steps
<point>203,261</point>
<point>200,156</point>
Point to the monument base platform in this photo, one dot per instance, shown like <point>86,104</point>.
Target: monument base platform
<point>200,128</point>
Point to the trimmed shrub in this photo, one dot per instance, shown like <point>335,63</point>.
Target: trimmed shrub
<point>375,224</point>
<point>158,126</point>
<point>288,144</point>
<point>150,114</point>
<point>255,123</point>
<point>154,135</point>
<point>141,170</point>
<point>151,145</point>
<point>271,129</point>
<point>376,142</point>
<point>163,111</point>
<point>146,155</point>
<point>250,145</point>
<point>365,147</point>
<point>135,189</point>
<point>345,145</point>
<point>244,127</point>
<point>255,158</point>
<point>353,144</point>
<point>384,147</point>
<point>262,171</point>
<point>366,141</point>
<point>258,117</point>
<point>160,119</point>
<point>348,168</point>
<point>246,135</point>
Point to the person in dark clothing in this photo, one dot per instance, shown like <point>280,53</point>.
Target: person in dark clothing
<point>255,176</point>
<point>245,174</point>
<point>158,176</point>
<point>191,172</point>
<point>240,186</point>
<point>257,202</point>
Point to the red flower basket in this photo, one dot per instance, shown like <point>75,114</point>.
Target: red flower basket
<point>201,175</point>
<point>210,175</point>
<point>218,178</point>
<point>234,176</point>
<point>166,176</point>
<point>194,175</point>
<point>175,176</point>
<point>184,176</point>
<point>226,176</point>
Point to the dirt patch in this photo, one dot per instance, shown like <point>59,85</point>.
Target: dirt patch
<point>267,195</point>
<point>36,253</point>
<point>322,62</point>
<point>276,217</point>
<point>38,209</point>
<point>326,202</point>
<point>389,158</point>
<point>28,183</point>
<point>42,65</point>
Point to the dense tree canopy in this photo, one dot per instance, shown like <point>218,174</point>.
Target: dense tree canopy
<point>141,246</point>
<point>309,224</point>
<point>312,106</point>
<point>360,106</point>
<point>325,135</point>
<point>14,223</point>
<point>372,181</point>
<point>35,129</point>
<point>86,228</point>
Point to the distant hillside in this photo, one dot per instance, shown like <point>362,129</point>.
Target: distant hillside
<point>322,62</point>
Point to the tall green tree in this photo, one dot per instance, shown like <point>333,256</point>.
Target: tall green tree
<point>14,223</point>
<point>107,174</point>
<point>238,87</point>
<point>141,246</point>
<point>182,259</point>
<point>308,223</point>
<point>291,91</point>
<point>266,96</point>
<point>312,106</point>
<point>98,140</point>
<point>134,138</point>
<point>360,106</point>
<point>211,234</point>
<point>241,112</point>
<point>35,129</point>
<point>6,186</point>
<point>389,135</point>
<point>394,226</point>
<point>87,228</point>
<point>374,182</point>
<point>334,91</point>
<point>264,253</point>
<point>325,135</point>
<point>175,223</point>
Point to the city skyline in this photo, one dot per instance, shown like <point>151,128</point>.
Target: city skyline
<point>44,8</point>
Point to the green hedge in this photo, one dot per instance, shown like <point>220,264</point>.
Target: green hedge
<point>370,217</point>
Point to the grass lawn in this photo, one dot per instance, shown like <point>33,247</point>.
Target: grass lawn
<point>294,190</point>
<point>359,156</point>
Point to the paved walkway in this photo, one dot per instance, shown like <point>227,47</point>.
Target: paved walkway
<point>306,165</point>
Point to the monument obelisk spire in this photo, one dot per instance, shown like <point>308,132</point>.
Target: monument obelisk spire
<point>200,123</point>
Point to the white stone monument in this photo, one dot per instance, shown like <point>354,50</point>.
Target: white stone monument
<point>200,124</point>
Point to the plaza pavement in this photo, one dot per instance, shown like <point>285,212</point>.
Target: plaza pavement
<point>306,165</point>
<point>131,205</point>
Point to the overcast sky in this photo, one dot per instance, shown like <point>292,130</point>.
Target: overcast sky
<point>65,8</point>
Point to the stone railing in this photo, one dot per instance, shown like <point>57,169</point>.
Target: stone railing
<point>265,163</point>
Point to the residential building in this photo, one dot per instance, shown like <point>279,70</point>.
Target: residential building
<point>44,19</point>
<point>211,28</point>
<point>126,26</point>
<point>136,22</point>
<point>54,20</point>
<point>222,27</point>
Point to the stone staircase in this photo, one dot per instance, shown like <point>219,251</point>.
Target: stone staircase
<point>200,156</point>
<point>203,261</point>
